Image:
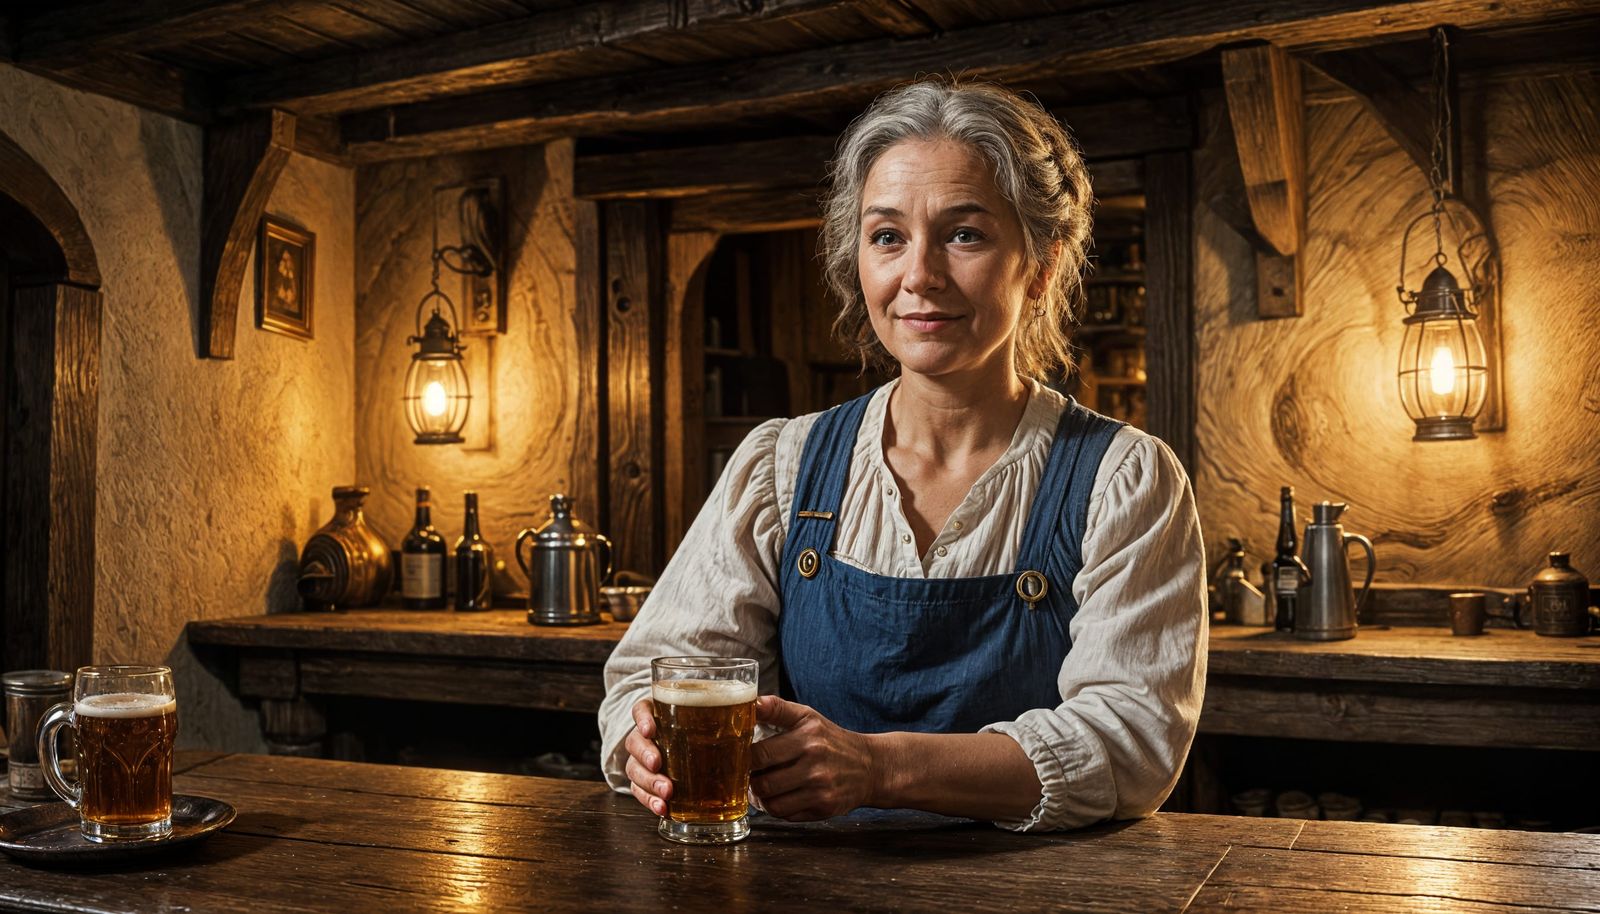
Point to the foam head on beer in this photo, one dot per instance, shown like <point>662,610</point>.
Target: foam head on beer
<point>125,704</point>
<point>703,693</point>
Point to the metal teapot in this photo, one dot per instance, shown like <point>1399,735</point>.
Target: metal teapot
<point>1328,605</point>
<point>564,566</point>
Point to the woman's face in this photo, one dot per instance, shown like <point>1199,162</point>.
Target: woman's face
<point>943,262</point>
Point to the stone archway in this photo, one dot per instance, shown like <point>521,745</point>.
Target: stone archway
<point>50,311</point>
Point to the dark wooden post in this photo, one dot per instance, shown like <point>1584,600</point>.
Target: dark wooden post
<point>1170,307</point>
<point>52,405</point>
<point>634,385</point>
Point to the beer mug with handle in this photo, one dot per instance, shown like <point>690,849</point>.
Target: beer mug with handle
<point>126,718</point>
<point>705,711</point>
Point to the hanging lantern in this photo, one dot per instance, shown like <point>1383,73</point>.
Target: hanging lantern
<point>1443,369</point>
<point>1443,375</point>
<point>437,396</point>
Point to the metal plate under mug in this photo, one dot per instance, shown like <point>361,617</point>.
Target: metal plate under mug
<point>48,834</point>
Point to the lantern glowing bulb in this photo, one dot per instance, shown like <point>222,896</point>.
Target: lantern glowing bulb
<point>435,400</point>
<point>1442,371</point>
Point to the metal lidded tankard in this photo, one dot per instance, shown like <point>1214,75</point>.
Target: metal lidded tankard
<point>565,565</point>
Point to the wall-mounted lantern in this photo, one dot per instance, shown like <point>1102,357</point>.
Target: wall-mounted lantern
<point>1443,369</point>
<point>438,396</point>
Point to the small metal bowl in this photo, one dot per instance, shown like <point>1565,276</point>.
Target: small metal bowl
<point>624,601</point>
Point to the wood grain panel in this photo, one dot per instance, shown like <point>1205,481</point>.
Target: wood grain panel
<point>742,212</point>
<point>1484,845</point>
<point>518,685</point>
<point>1500,658</point>
<point>1436,883</point>
<point>242,163</point>
<point>688,254</point>
<point>1169,312</point>
<point>590,486</point>
<point>1313,402</point>
<point>494,55</point>
<point>1420,715</point>
<point>846,74</point>
<point>497,633</point>
<point>52,416</point>
<point>634,333</point>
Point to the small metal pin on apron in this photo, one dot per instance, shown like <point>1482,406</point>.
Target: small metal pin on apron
<point>808,563</point>
<point>1032,587</point>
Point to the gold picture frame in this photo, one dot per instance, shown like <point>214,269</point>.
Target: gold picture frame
<point>285,273</point>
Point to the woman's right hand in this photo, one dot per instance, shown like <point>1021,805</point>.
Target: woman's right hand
<point>650,787</point>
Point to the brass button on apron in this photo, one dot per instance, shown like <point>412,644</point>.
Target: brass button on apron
<point>808,563</point>
<point>1031,587</point>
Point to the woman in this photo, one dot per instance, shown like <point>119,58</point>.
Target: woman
<point>992,605</point>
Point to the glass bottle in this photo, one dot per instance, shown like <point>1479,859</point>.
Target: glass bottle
<point>1289,573</point>
<point>474,559</point>
<point>422,556</point>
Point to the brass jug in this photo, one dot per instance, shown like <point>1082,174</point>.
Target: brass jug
<point>565,566</point>
<point>346,563</point>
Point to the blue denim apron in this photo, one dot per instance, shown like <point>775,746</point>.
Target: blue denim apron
<point>936,655</point>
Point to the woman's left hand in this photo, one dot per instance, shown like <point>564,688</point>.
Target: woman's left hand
<point>814,769</point>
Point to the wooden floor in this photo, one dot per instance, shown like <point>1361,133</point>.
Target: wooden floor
<point>316,835</point>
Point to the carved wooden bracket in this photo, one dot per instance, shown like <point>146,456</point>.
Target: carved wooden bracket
<point>242,162</point>
<point>1264,102</point>
<point>1406,116</point>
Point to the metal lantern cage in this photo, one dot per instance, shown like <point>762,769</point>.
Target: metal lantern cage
<point>437,395</point>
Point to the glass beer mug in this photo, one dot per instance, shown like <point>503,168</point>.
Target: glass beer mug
<point>705,711</point>
<point>126,718</point>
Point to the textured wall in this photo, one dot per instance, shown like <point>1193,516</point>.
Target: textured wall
<point>534,396</point>
<point>210,473</point>
<point>1312,401</point>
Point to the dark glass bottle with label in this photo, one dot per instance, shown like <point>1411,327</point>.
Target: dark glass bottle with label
<point>474,559</point>
<point>422,557</point>
<point>1289,574</point>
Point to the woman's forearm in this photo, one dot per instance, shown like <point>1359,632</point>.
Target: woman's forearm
<point>975,775</point>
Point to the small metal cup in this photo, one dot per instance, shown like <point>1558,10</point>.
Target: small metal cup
<point>1468,612</point>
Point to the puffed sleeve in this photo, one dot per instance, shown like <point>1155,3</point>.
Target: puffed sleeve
<point>1132,685</point>
<point>717,597</point>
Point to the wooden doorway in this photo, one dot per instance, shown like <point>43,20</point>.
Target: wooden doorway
<point>50,308</point>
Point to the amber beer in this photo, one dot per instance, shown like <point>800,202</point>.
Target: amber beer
<point>126,718</point>
<point>125,758</point>
<point>704,727</point>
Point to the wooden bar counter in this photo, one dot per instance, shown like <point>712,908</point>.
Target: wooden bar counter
<point>317,835</point>
<point>1400,684</point>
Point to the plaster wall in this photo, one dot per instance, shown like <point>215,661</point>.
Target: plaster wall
<point>210,473</point>
<point>521,441</point>
<point>1312,401</point>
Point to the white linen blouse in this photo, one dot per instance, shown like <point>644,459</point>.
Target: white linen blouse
<point>1132,684</point>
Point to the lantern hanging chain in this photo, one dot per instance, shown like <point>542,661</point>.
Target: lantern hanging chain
<point>1439,155</point>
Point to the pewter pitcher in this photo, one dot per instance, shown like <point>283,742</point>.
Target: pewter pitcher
<point>1328,606</point>
<point>565,566</point>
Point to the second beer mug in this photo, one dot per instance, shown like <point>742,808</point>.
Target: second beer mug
<point>126,718</point>
<point>705,711</point>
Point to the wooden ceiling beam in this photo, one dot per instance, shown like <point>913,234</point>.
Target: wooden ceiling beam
<point>76,33</point>
<point>1116,130</point>
<point>1403,111</point>
<point>136,80</point>
<point>495,55</point>
<point>1077,42</point>
<point>1266,105</point>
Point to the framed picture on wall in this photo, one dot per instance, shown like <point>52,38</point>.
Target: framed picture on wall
<point>286,261</point>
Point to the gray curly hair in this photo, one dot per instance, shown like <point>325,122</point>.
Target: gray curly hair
<point>1037,167</point>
